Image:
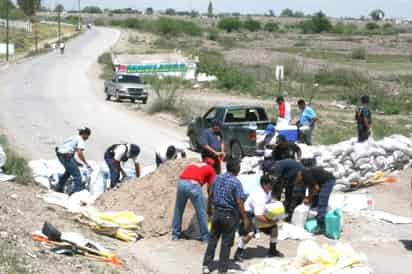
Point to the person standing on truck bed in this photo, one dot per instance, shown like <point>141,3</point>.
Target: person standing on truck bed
<point>213,146</point>
<point>118,153</point>
<point>65,154</point>
<point>167,153</point>
<point>306,122</point>
<point>364,118</point>
<point>284,111</point>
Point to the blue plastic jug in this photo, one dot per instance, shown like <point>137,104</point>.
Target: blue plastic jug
<point>311,225</point>
<point>333,224</point>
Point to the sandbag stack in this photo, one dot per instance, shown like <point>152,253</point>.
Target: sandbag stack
<point>352,161</point>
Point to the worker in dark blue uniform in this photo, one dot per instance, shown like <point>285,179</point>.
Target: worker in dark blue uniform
<point>285,172</point>
<point>213,146</point>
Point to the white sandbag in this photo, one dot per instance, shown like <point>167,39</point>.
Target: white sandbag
<point>366,167</point>
<point>300,214</point>
<point>3,157</point>
<point>380,162</point>
<point>362,161</point>
<point>354,176</point>
<point>389,161</point>
<point>387,144</point>
<point>401,139</point>
<point>397,155</point>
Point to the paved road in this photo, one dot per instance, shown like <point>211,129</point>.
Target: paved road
<point>45,99</point>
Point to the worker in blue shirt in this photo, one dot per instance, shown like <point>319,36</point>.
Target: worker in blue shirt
<point>285,172</point>
<point>213,146</point>
<point>227,198</point>
<point>306,123</point>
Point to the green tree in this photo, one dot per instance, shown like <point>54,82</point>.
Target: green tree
<point>317,24</point>
<point>287,13</point>
<point>92,9</point>
<point>149,11</point>
<point>59,8</point>
<point>170,12</point>
<point>252,25</point>
<point>298,14</point>
<point>271,13</point>
<point>29,7</point>
<point>230,24</point>
<point>210,9</point>
<point>377,15</point>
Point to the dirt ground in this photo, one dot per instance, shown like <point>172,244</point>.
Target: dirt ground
<point>22,211</point>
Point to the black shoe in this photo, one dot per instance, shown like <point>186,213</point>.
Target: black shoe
<point>275,253</point>
<point>320,230</point>
<point>238,255</point>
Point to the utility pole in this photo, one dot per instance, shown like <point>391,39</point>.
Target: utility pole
<point>79,23</point>
<point>59,23</point>
<point>7,30</point>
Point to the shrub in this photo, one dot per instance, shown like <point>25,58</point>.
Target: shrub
<point>359,54</point>
<point>230,24</point>
<point>342,28</point>
<point>321,23</point>
<point>340,77</point>
<point>15,163</point>
<point>271,27</point>
<point>252,25</point>
<point>371,26</point>
<point>213,35</point>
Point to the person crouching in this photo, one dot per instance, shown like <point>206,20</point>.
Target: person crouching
<point>255,211</point>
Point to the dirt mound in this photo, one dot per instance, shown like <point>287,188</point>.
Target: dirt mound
<point>152,197</point>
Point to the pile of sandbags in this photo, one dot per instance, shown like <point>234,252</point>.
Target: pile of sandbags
<point>350,160</point>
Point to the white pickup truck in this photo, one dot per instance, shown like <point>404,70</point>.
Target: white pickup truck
<point>126,86</point>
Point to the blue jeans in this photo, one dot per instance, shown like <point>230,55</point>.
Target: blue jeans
<point>71,169</point>
<point>322,200</point>
<point>187,189</point>
<point>114,171</point>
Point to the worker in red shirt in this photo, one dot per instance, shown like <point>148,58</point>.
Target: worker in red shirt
<point>189,186</point>
<point>284,111</point>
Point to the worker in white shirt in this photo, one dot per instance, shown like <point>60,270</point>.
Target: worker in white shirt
<point>66,155</point>
<point>168,153</point>
<point>117,154</point>
<point>255,211</point>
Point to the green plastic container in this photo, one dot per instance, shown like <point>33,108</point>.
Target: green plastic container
<point>333,224</point>
<point>311,225</point>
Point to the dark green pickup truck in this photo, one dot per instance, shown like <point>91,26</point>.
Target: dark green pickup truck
<point>240,126</point>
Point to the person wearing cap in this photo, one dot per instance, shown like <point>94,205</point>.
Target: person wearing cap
<point>189,186</point>
<point>213,145</point>
<point>167,153</point>
<point>66,156</point>
<point>286,150</point>
<point>117,154</point>
<point>320,184</point>
<point>306,123</point>
<point>284,111</point>
<point>255,211</point>
<point>269,138</point>
<point>363,117</point>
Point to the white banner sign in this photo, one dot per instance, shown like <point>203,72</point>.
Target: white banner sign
<point>3,49</point>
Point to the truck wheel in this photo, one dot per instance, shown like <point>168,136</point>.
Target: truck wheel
<point>108,97</point>
<point>236,151</point>
<point>193,142</point>
<point>144,101</point>
<point>133,100</point>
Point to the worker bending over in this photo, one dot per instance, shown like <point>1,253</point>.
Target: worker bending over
<point>118,154</point>
<point>66,156</point>
<point>189,186</point>
<point>168,153</point>
<point>255,211</point>
<point>320,184</point>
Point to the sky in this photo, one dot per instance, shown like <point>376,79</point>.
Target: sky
<point>335,8</point>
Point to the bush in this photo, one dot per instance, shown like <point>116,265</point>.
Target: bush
<point>342,28</point>
<point>229,76</point>
<point>15,164</point>
<point>92,9</point>
<point>163,25</point>
<point>252,25</point>
<point>340,77</point>
<point>271,27</point>
<point>213,35</point>
<point>372,26</point>
<point>230,24</point>
<point>106,60</point>
<point>321,23</point>
<point>359,54</point>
